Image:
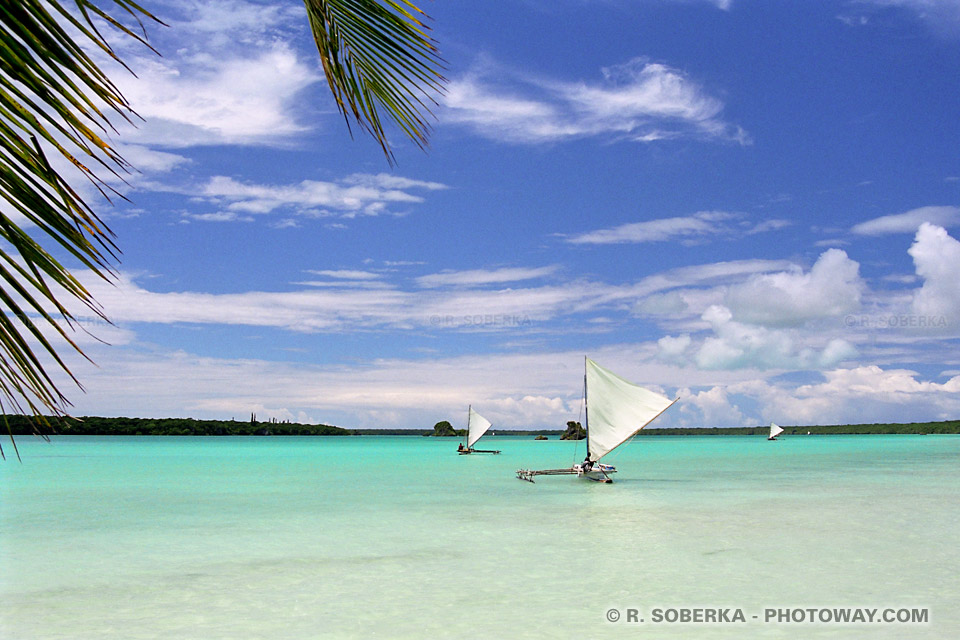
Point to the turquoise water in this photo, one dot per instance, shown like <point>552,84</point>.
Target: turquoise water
<point>396,537</point>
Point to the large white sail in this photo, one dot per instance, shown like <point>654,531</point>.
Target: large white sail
<point>616,409</point>
<point>478,426</point>
<point>775,430</point>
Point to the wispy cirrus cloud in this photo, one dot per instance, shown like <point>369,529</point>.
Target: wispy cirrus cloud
<point>698,225</point>
<point>357,300</point>
<point>687,229</point>
<point>346,274</point>
<point>476,277</point>
<point>940,16</point>
<point>640,101</point>
<point>357,194</point>
<point>219,216</point>
<point>910,221</point>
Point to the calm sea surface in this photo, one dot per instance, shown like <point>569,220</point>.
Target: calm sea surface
<point>398,537</point>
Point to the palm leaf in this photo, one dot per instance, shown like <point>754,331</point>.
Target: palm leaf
<point>51,92</point>
<point>379,59</point>
<point>379,62</point>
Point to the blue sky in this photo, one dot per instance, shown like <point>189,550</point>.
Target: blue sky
<point>753,206</point>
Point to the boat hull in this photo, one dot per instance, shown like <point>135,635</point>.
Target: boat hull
<point>596,473</point>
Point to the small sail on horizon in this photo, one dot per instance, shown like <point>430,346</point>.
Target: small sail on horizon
<point>775,430</point>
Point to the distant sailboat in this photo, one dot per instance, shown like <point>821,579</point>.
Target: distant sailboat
<point>477,425</point>
<point>775,430</point>
<point>615,409</point>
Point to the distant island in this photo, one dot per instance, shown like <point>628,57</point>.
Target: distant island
<point>575,431</point>
<point>98,426</point>
<point>444,429</point>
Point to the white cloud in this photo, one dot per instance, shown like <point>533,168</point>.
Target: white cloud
<point>909,222</point>
<point>532,390</point>
<point>711,408</point>
<point>150,160</point>
<point>218,97</point>
<point>735,345</point>
<point>941,16</point>
<point>831,288</point>
<point>638,100</point>
<point>226,76</point>
<point>936,257</point>
<point>219,216</point>
<point>356,195</point>
<point>358,306</point>
<point>688,229</point>
<point>691,290</point>
<point>346,274</point>
<point>484,276</point>
<point>764,226</point>
<point>386,181</point>
<point>863,395</point>
<point>673,349</point>
<point>352,300</point>
<point>698,225</point>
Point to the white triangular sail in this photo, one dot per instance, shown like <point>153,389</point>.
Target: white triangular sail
<point>477,425</point>
<point>616,409</point>
<point>775,430</point>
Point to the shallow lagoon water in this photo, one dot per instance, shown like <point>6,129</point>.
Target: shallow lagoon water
<point>290,537</point>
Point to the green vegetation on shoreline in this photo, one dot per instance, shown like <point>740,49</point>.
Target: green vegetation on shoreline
<point>90,426</point>
<point>94,426</point>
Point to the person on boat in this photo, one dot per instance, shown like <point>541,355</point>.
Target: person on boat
<point>460,447</point>
<point>587,465</point>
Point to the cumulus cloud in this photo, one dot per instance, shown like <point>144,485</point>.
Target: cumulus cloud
<point>711,408</point>
<point>640,100</point>
<point>690,290</point>
<point>831,288</point>
<point>673,348</point>
<point>909,222</point>
<point>936,256</point>
<point>207,97</point>
<point>736,345</point>
<point>541,389</point>
<point>226,76</point>
<point>864,394</point>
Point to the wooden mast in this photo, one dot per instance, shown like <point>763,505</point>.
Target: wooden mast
<point>586,409</point>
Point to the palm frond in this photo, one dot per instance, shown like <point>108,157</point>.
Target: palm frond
<point>379,60</point>
<point>52,92</point>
